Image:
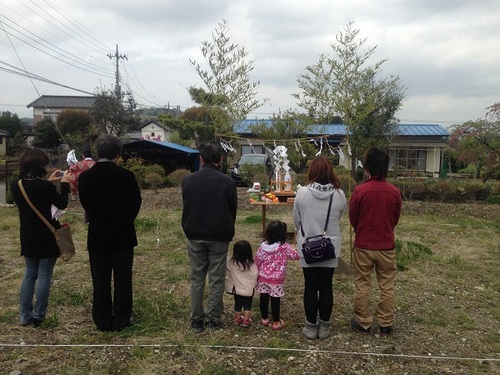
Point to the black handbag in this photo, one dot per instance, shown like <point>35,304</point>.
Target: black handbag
<point>318,248</point>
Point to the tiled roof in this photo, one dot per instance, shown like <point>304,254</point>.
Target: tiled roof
<point>341,130</point>
<point>53,101</point>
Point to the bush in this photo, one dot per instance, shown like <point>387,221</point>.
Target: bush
<point>443,188</point>
<point>154,180</point>
<point>248,171</point>
<point>263,179</point>
<point>495,188</point>
<point>141,170</point>
<point>414,187</point>
<point>347,183</point>
<point>494,199</point>
<point>176,177</point>
<point>301,179</point>
<point>472,189</point>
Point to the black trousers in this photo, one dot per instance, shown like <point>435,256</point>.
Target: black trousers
<point>318,293</point>
<point>111,313</point>
<point>275,306</point>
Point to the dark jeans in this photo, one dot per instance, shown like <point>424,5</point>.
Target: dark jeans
<point>318,293</point>
<point>275,306</point>
<point>112,314</point>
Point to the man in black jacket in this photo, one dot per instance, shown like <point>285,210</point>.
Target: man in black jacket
<point>209,213</point>
<point>111,197</point>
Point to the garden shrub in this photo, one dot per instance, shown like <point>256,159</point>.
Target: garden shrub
<point>248,171</point>
<point>443,188</point>
<point>347,183</point>
<point>176,177</point>
<point>301,179</point>
<point>263,179</point>
<point>472,189</point>
<point>153,180</point>
<point>414,187</point>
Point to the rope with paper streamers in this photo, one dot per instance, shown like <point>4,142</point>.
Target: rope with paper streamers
<point>319,141</point>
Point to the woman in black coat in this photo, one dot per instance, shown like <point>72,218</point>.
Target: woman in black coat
<point>38,244</point>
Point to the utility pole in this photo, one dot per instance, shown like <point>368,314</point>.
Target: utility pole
<point>117,57</point>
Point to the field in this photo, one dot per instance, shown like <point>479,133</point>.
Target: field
<point>448,305</point>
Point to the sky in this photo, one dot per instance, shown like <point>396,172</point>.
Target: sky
<point>446,52</point>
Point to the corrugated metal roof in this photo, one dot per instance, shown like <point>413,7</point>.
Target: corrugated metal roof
<point>341,130</point>
<point>171,145</point>
<point>54,101</point>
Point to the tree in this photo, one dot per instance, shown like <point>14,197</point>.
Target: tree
<point>288,128</point>
<point>478,143</point>
<point>46,135</point>
<point>73,121</point>
<point>112,115</point>
<point>189,128</point>
<point>10,123</point>
<point>227,80</point>
<point>345,85</point>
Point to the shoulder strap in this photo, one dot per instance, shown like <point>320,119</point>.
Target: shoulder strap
<point>327,217</point>
<point>20,183</point>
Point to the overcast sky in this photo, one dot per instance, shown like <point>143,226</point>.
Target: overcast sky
<point>447,52</point>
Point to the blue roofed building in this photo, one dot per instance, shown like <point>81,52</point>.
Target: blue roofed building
<point>416,147</point>
<point>170,156</point>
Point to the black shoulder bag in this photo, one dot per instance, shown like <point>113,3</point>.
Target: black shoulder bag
<point>318,248</point>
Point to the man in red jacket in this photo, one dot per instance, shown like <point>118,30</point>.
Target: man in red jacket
<point>374,210</point>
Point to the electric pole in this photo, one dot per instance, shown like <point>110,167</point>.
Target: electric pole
<point>117,57</point>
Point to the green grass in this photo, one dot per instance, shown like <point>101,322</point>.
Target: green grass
<point>408,253</point>
<point>447,291</point>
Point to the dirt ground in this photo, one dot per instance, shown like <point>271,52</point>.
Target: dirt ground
<point>442,326</point>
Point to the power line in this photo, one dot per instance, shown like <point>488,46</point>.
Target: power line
<point>47,31</point>
<point>69,56</point>
<point>25,73</point>
<point>78,37</point>
<point>76,23</point>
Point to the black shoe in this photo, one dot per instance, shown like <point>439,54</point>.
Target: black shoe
<point>197,326</point>
<point>358,328</point>
<point>214,325</point>
<point>386,331</point>
<point>37,322</point>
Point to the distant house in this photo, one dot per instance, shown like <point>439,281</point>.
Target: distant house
<point>49,106</point>
<point>154,131</point>
<point>4,139</point>
<point>416,147</point>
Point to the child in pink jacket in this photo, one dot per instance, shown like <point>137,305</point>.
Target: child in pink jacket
<point>271,259</point>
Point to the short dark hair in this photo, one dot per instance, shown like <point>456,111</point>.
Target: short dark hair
<point>376,162</point>
<point>276,232</point>
<point>108,147</point>
<point>210,152</point>
<point>33,162</point>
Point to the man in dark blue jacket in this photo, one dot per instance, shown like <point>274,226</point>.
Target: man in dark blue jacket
<point>209,213</point>
<point>112,199</point>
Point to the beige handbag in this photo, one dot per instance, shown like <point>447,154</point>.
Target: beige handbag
<point>63,235</point>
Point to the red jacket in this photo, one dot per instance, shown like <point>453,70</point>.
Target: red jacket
<point>374,210</point>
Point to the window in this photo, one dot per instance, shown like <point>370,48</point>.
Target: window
<point>246,149</point>
<point>408,158</point>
